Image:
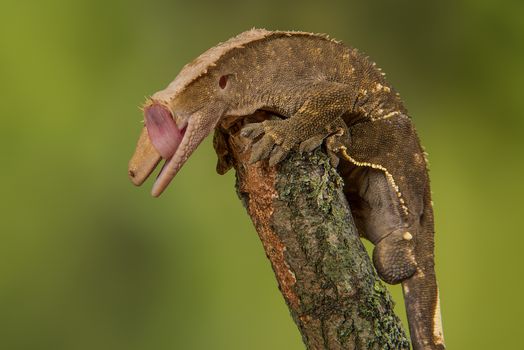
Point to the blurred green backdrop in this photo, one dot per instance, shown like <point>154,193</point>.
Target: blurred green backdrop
<point>87,261</point>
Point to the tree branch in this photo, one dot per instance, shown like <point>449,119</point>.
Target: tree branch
<point>323,271</point>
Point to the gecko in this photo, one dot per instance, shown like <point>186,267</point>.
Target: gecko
<point>327,95</point>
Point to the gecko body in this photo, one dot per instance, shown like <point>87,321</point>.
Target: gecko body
<point>326,93</point>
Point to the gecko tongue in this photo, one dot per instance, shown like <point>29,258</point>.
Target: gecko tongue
<point>162,129</point>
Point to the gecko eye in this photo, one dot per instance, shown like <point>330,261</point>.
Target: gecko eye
<point>222,82</point>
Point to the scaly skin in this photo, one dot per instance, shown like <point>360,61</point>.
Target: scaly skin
<point>324,92</point>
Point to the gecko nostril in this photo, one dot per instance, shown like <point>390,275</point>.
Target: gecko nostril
<point>131,173</point>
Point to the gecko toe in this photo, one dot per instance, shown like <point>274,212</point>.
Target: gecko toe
<point>311,143</point>
<point>261,149</point>
<point>252,131</point>
<point>277,155</point>
<point>333,158</point>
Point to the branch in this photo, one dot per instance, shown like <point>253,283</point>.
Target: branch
<point>323,271</point>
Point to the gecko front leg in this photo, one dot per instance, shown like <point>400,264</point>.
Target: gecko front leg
<point>323,103</point>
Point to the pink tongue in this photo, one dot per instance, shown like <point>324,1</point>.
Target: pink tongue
<point>162,130</point>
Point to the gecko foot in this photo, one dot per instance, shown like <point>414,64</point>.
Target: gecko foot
<point>275,144</point>
<point>394,257</point>
<point>279,138</point>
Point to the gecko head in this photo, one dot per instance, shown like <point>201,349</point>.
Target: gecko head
<point>173,130</point>
<point>178,118</point>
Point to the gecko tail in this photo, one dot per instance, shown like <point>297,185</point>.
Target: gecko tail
<point>421,298</point>
<point>421,294</point>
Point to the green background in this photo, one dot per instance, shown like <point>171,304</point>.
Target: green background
<point>88,261</point>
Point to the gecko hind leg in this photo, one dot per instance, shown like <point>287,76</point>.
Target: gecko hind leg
<point>379,218</point>
<point>394,257</point>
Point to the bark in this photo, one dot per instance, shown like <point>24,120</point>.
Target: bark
<point>324,273</point>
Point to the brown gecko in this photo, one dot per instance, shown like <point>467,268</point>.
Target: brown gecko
<point>326,93</point>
